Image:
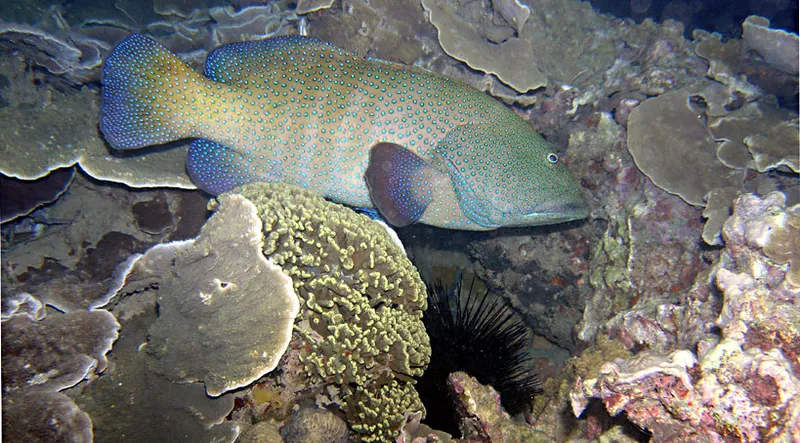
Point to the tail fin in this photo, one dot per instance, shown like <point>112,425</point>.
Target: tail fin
<point>146,95</point>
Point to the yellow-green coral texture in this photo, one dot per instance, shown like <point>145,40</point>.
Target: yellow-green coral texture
<point>361,304</point>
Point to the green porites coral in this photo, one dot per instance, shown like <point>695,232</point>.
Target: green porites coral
<point>361,305</point>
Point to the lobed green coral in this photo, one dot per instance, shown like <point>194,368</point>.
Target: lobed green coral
<point>378,414</point>
<point>361,305</point>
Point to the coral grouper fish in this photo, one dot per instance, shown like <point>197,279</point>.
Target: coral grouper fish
<point>363,132</point>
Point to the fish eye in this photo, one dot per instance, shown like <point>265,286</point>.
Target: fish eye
<point>552,158</point>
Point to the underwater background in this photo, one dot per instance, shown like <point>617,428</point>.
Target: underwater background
<point>137,307</point>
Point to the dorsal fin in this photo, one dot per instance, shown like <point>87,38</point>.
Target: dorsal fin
<point>241,62</point>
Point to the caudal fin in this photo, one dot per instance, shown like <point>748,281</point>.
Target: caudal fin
<point>146,95</point>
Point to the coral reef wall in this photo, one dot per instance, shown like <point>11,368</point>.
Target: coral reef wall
<point>674,305</point>
<point>742,383</point>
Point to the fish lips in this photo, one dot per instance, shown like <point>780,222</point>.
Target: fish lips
<point>546,214</point>
<point>557,212</point>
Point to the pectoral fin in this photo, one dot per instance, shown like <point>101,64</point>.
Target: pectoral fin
<point>399,183</point>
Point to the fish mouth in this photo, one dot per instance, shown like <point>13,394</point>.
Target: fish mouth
<point>573,210</point>
<point>557,213</point>
<point>545,214</point>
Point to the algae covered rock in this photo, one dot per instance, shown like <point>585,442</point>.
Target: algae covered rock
<point>44,354</point>
<point>360,333</point>
<point>741,381</point>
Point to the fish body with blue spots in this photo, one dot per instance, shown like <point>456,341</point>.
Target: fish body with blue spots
<point>416,146</point>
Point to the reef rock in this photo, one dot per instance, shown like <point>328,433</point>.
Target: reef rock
<point>745,382</point>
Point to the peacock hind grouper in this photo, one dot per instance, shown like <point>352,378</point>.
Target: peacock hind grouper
<point>367,133</point>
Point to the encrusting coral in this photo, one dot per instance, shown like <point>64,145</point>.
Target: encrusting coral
<point>744,383</point>
<point>55,352</point>
<point>28,153</point>
<point>71,49</point>
<point>311,425</point>
<point>44,416</point>
<point>675,120</point>
<point>481,419</point>
<point>525,45</point>
<point>724,139</point>
<point>360,322</point>
<point>512,61</point>
<point>778,47</point>
<point>783,244</point>
<point>21,197</point>
<point>42,355</point>
<point>275,268</point>
<point>464,321</point>
<point>220,298</point>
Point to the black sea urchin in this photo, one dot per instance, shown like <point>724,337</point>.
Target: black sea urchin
<point>480,335</point>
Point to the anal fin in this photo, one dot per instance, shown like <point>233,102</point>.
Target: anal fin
<point>399,182</point>
<point>215,168</point>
